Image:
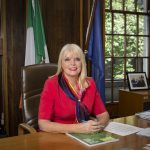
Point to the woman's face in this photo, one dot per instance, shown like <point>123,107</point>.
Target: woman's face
<point>71,64</point>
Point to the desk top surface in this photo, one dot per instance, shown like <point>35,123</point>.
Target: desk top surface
<point>53,141</point>
<point>140,92</point>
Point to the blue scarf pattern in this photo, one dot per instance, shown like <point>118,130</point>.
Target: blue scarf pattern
<point>82,113</point>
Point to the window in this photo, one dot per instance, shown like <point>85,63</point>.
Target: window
<point>126,43</point>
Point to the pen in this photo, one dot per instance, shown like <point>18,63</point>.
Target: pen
<point>102,126</point>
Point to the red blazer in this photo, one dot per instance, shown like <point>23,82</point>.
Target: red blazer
<point>56,106</point>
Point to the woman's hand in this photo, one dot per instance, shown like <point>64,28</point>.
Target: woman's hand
<point>90,126</point>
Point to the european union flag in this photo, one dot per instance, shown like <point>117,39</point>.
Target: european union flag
<point>96,53</point>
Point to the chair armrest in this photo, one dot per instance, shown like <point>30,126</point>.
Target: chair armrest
<point>25,128</point>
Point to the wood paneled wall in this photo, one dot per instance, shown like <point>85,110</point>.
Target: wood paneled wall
<point>15,39</point>
<point>1,103</point>
<point>63,24</point>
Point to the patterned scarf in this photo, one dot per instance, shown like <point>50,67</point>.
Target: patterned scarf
<point>82,113</point>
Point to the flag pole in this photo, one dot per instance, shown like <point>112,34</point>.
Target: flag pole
<point>89,28</point>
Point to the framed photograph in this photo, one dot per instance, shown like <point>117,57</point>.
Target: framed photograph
<point>137,81</point>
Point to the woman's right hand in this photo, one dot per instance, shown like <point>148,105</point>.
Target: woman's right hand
<point>90,126</point>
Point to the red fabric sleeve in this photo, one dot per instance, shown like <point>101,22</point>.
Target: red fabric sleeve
<point>98,106</point>
<point>46,101</point>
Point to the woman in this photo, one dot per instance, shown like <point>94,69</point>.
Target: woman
<point>70,98</point>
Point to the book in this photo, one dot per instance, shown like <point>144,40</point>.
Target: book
<point>93,139</point>
<point>126,148</point>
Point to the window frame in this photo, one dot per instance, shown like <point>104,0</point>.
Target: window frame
<point>112,57</point>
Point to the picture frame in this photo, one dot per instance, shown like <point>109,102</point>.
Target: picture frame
<point>137,81</point>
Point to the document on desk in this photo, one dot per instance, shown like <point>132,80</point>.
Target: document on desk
<point>121,129</point>
<point>144,115</point>
<point>147,147</point>
<point>145,132</point>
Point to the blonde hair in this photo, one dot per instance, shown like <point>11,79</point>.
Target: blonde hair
<point>75,49</point>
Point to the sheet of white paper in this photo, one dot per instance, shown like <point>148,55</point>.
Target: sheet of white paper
<point>147,148</point>
<point>145,132</point>
<point>121,129</point>
<point>144,115</point>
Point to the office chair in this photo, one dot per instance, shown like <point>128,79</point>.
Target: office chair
<point>33,79</point>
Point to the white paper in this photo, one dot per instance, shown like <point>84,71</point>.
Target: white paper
<point>144,115</point>
<point>121,129</point>
<point>145,132</point>
<point>147,147</point>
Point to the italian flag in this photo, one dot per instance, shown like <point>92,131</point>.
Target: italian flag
<point>36,49</point>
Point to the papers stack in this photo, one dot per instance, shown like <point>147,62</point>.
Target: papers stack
<point>147,146</point>
<point>144,115</point>
<point>145,132</point>
<point>121,129</point>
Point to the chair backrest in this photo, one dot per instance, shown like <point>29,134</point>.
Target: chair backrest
<point>33,79</point>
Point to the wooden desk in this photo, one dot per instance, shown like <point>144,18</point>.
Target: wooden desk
<point>131,102</point>
<point>49,141</point>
